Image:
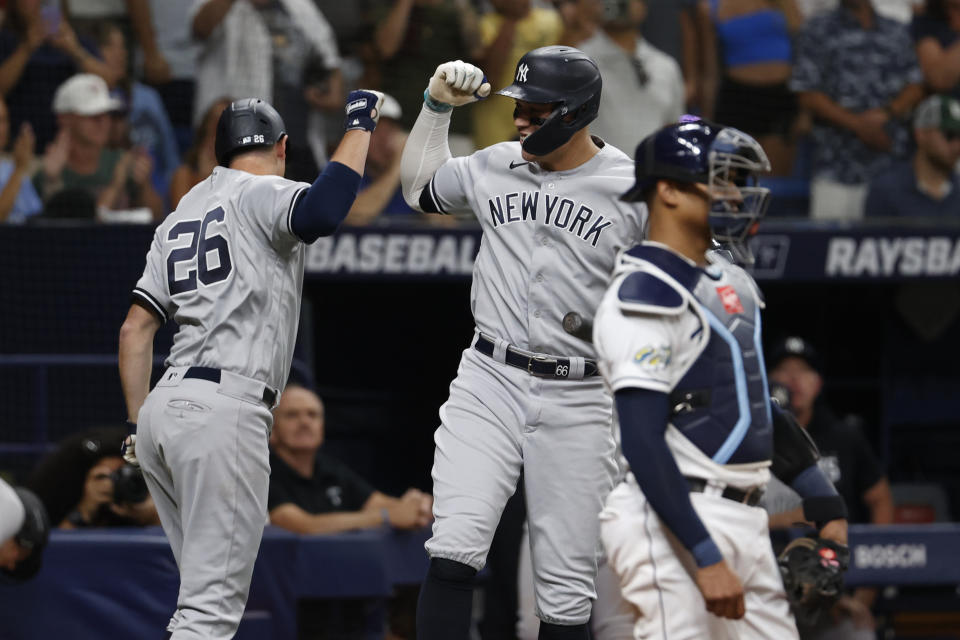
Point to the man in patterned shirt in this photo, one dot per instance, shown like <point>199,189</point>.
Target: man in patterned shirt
<point>857,73</point>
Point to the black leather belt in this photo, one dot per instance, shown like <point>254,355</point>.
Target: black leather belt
<point>213,375</point>
<point>749,498</point>
<point>536,365</point>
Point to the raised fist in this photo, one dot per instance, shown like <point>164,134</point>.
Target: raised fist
<point>458,83</point>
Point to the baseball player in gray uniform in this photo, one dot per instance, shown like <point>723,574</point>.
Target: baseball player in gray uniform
<point>227,266</point>
<point>526,396</point>
<point>24,530</point>
<point>678,337</point>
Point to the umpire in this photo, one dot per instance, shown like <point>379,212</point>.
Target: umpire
<point>24,530</point>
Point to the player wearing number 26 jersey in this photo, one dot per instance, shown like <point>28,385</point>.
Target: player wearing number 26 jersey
<point>227,266</point>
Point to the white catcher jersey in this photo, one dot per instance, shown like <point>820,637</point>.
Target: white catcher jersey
<point>227,267</point>
<point>550,239</point>
<point>653,350</point>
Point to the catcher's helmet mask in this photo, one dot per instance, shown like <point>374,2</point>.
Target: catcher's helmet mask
<point>561,76</point>
<point>726,160</point>
<point>246,125</point>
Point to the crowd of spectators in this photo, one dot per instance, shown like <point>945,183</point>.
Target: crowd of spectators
<point>833,81</point>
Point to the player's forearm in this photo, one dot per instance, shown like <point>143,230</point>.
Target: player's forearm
<point>326,203</point>
<point>787,519</point>
<point>657,473</point>
<point>136,358</point>
<point>425,151</point>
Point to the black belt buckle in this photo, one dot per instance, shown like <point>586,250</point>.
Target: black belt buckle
<point>537,358</point>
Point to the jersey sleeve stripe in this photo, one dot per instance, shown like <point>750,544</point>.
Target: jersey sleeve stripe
<point>148,302</point>
<point>435,197</point>
<point>293,205</point>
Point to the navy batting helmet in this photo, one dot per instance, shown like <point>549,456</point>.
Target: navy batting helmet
<point>33,536</point>
<point>246,124</point>
<point>562,76</point>
<point>725,159</point>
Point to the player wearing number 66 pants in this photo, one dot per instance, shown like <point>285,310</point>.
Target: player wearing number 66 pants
<point>227,267</point>
<point>526,396</point>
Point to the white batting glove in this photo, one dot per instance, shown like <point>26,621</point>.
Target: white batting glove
<point>128,450</point>
<point>457,83</point>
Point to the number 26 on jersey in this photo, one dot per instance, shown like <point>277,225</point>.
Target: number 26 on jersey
<point>195,258</point>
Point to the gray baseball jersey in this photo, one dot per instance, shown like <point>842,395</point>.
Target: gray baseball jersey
<point>228,269</point>
<point>549,239</point>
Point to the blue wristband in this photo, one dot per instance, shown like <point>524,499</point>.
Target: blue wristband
<point>433,105</point>
<point>706,553</point>
<point>812,482</point>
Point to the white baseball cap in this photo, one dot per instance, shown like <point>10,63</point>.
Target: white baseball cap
<point>85,94</point>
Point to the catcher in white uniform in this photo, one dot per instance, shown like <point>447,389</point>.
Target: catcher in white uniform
<point>227,266</point>
<point>678,338</point>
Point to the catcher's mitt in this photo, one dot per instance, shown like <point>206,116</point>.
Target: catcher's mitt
<point>812,570</point>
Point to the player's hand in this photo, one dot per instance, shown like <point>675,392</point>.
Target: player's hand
<point>129,450</point>
<point>722,590</point>
<point>458,83</point>
<point>363,110</point>
<point>835,530</point>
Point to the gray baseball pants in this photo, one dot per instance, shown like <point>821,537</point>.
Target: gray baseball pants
<point>203,450</point>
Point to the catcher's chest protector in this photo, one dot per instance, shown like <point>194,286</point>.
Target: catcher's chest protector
<point>729,417</point>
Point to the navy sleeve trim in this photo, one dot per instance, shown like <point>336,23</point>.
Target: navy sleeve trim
<point>142,298</point>
<point>643,418</point>
<point>293,205</point>
<point>429,201</point>
<point>326,203</point>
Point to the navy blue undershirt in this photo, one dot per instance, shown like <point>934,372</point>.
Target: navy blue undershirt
<point>643,422</point>
<point>320,209</point>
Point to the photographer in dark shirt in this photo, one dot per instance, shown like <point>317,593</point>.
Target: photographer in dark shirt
<point>311,492</point>
<point>85,483</point>
<point>847,458</point>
